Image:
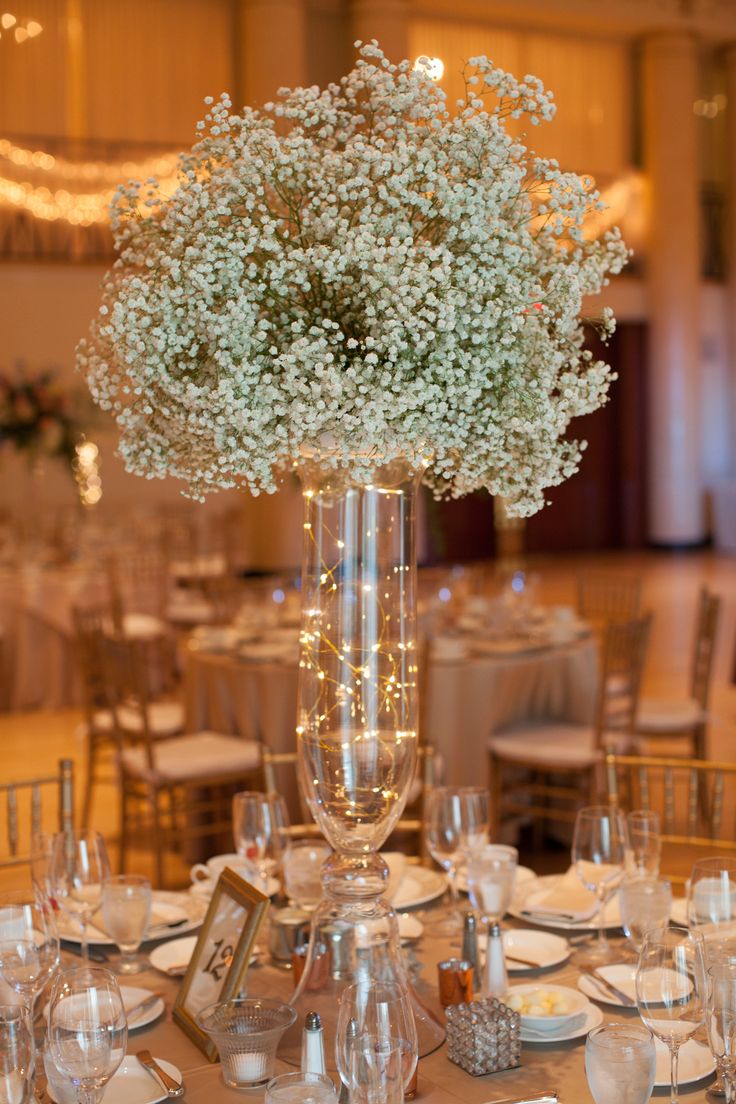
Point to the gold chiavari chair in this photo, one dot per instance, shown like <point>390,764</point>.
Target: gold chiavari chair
<point>696,800</point>
<point>602,598</point>
<point>176,789</point>
<point>545,769</point>
<point>23,802</point>
<point>687,717</point>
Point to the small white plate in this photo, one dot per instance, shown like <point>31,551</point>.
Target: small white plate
<point>132,995</point>
<point>589,1018</point>
<point>410,928</point>
<point>575,1002</point>
<point>524,875</point>
<point>180,911</point>
<point>133,1084</point>
<point>542,947</point>
<point>176,952</point>
<point>620,974</point>
<point>695,1062</point>
<point>419,886</point>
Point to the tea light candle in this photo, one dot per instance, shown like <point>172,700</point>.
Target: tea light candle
<point>248,1068</point>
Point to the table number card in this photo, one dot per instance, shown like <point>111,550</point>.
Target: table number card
<point>220,961</point>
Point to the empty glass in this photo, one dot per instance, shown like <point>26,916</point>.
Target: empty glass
<point>259,830</point>
<point>302,865</point>
<point>598,852</point>
<point>377,1012</point>
<point>711,897</point>
<point>721,1023</point>
<point>456,825</point>
<point>126,910</point>
<point>645,842</point>
<point>644,902</point>
<point>16,1055</point>
<point>88,1030</point>
<point>620,1063</point>
<point>376,1070</point>
<point>29,944</point>
<point>671,988</point>
<point>491,878</point>
<point>79,865</point>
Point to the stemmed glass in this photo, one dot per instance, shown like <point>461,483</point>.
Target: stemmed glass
<point>455,825</point>
<point>29,944</point>
<point>376,1029</point>
<point>711,897</point>
<point>620,1063</point>
<point>16,1055</point>
<point>644,903</point>
<point>79,867</point>
<point>721,1023</point>
<point>126,909</point>
<point>599,851</point>
<point>671,988</point>
<point>88,1030</point>
<point>491,878</point>
<point>260,823</point>
<point>645,842</point>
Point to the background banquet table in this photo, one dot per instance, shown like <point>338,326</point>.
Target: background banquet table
<point>466,700</point>
<point>557,1066</point>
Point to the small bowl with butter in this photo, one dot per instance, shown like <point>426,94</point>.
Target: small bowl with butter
<point>545,1007</point>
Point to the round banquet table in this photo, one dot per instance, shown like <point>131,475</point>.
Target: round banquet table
<point>544,1066</point>
<point>467,700</point>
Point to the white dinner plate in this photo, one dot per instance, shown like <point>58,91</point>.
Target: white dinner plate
<point>133,1084</point>
<point>540,947</point>
<point>695,1062</point>
<point>524,875</point>
<point>132,995</point>
<point>525,897</point>
<point>178,913</point>
<point>176,952</point>
<point>418,886</point>
<point>205,887</point>
<point>620,974</point>
<point>589,1018</point>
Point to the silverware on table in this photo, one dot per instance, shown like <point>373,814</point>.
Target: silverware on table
<point>143,1006</point>
<point>172,1087</point>
<point>548,1096</point>
<point>607,986</point>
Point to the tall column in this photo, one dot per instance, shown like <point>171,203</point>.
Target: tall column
<point>385,20</point>
<point>271,49</point>
<point>670,87</point>
<point>730,59</point>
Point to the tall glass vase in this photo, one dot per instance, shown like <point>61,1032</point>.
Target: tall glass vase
<point>357,723</point>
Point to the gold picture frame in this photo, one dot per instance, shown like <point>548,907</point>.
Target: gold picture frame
<point>220,961</point>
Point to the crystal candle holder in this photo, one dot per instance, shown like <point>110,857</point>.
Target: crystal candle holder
<point>483,1036</point>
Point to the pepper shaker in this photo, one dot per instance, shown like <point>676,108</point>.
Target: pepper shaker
<point>470,948</point>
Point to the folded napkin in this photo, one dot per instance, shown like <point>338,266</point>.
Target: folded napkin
<point>567,900</point>
<point>396,862</point>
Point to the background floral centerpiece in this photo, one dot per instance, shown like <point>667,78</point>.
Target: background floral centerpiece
<point>39,417</point>
<point>356,273</point>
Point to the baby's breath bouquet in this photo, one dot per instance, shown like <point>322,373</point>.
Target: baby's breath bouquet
<point>357,273</point>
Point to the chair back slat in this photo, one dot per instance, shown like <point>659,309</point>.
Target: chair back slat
<point>11,797</point>
<point>35,809</point>
<point>716,816</point>
<point>669,800</point>
<point>692,803</point>
<point>644,794</point>
<point>709,606</point>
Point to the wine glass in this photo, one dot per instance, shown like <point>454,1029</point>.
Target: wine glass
<point>29,944</point>
<point>598,851</point>
<point>671,988</point>
<point>620,1063</point>
<point>711,897</point>
<point>88,1030</point>
<point>456,825</point>
<point>644,902</point>
<point>375,1011</point>
<point>376,1070</point>
<point>721,1023</point>
<point>16,1055</point>
<point>42,849</point>
<point>645,842</point>
<point>79,866</point>
<point>126,909</point>
<point>260,823</point>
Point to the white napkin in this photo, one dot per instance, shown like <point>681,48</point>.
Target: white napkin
<point>567,900</point>
<point>396,862</point>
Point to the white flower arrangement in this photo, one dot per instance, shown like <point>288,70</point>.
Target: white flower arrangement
<point>356,272</point>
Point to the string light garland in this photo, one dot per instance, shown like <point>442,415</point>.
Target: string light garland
<point>111,172</point>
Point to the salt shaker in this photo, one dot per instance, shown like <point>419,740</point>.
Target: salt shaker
<point>470,947</point>
<point>313,1045</point>
<point>496,982</point>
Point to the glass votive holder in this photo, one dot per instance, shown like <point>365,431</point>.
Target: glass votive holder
<point>455,978</point>
<point>246,1033</point>
<point>301,1088</point>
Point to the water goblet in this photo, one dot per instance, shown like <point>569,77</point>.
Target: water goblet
<point>302,866</point>
<point>491,879</point>
<point>644,902</point>
<point>598,852</point>
<point>88,1030</point>
<point>126,909</point>
<point>645,842</point>
<point>711,897</point>
<point>671,989</point>
<point>620,1063</point>
<point>79,866</point>
<point>29,944</point>
<point>456,824</point>
<point>375,1011</point>
<point>16,1055</point>
<point>260,823</point>
<point>721,1023</point>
